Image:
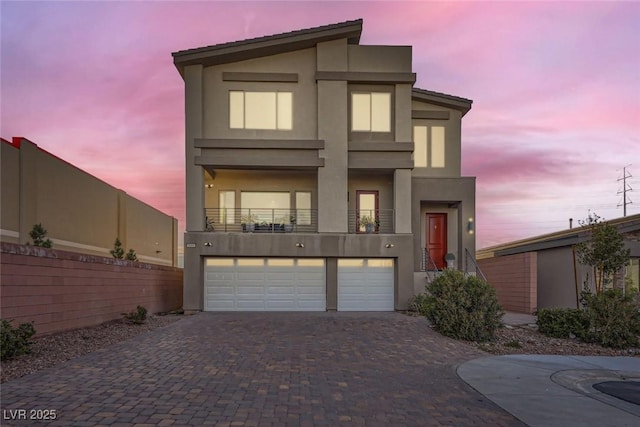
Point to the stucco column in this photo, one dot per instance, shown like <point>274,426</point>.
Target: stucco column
<point>402,200</point>
<point>333,129</point>
<point>193,120</point>
<point>192,277</point>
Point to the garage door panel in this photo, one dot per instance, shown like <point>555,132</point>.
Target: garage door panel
<point>366,284</point>
<point>270,284</point>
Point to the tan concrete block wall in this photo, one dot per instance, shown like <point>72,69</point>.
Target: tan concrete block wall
<point>60,290</point>
<point>515,278</point>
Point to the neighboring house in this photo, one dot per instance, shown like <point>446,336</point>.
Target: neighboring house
<point>80,212</point>
<point>544,271</point>
<point>317,176</point>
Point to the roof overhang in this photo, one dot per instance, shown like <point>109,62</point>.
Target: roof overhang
<point>268,45</point>
<point>442,99</point>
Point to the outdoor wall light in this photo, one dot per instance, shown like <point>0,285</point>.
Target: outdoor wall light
<point>470,226</point>
<point>207,243</point>
<point>208,186</point>
<point>299,245</point>
<point>389,245</point>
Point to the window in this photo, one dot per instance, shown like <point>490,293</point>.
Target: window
<point>303,207</point>
<point>422,156</point>
<point>263,206</point>
<point>260,110</point>
<point>371,112</point>
<point>437,146</point>
<point>227,207</point>
<point>420,146</point>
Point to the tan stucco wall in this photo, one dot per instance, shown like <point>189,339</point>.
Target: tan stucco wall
<point>452,143</point>
<point>9,192</point>
<point>80,212</point>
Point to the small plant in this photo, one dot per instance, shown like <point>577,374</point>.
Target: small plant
<point>463,307</point>
<point>117,252</point>
<point>369,220</point>
<point>38,234</point>
<point>418,304</point>
<point>249,219</point>
<point>513,344</point>
<point>15,341</point>
<point>131,255</point>
<point>138,316</point>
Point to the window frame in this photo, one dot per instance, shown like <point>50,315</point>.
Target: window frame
<point>369,135</point>
<point>282,122</point>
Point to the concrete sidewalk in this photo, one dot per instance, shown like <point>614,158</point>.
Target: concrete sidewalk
<point>555,390</point>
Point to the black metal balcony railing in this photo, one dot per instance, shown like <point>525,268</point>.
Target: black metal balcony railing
<point>372,221</point>
<point>261,220</point>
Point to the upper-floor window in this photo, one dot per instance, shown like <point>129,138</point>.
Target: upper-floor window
<point>260,110</point>
<point>371,112</point>
<point>423,140</point>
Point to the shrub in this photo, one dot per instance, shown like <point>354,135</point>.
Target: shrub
<point>418,304</point>
<point>117,252</point>
<point>131,255</point>
<point>15,341</point>
<point>613,319</point>
<point>562,322</point>
<point>38,234</point>
<point>463,307</point>
<point>138,316</point>
<point>610,319</point>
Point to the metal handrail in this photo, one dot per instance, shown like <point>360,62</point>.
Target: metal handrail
<point>428,265</point>
<point>382,221</point>
<point>260,220</point>
<point>470,259</point>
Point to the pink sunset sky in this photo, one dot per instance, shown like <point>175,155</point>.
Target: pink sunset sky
<point>555,85</point>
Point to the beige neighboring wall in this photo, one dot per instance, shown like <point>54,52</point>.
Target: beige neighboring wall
<point>80,212</point>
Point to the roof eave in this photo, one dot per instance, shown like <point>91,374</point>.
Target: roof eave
<point>442,99</point>
<point>268,45</point>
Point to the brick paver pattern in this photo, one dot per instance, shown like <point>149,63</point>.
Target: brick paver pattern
<point>265,369</point>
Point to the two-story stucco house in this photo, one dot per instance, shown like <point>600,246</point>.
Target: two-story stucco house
<point>317,175</point>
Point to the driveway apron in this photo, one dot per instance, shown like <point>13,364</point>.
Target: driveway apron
<point>263,369</point>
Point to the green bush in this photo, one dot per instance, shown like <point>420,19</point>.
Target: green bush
<point>138,316</point>
<point>131,255</point>
<point>39,236</point>
<point>562,322</point>
<point>610,319</point>
<point>418,304</point>
<point>613,319</point>
<point>462,307</point>
<point>15,341</point>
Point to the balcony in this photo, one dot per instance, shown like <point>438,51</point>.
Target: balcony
<point>378,221</point>
<point>261,220</point>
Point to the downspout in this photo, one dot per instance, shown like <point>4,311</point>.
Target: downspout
<point>575,276</point>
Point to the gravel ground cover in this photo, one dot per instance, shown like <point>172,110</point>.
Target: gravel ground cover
<point>50,350</point>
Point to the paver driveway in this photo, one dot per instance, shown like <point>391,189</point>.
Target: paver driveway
<point>274,369</point>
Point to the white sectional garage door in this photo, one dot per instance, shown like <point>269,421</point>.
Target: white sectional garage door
<point>365,284</point>
<point>264,284</point>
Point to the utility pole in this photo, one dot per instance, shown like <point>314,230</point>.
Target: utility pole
<point>626,188</point>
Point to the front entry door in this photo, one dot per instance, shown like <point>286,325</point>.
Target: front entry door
<point>436,238</point>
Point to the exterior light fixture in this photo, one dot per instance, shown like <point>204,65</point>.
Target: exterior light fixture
<point>299,245</point>
<point>389,245</point>
<point>470,227</point>
<point>208,186</point>
<point>207,243</point>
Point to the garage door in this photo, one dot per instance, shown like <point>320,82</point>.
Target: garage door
<point>365,284</point>
<point>264,284</point>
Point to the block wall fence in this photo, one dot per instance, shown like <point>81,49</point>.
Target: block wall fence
<point>59,290</point>
<point>515,278</point>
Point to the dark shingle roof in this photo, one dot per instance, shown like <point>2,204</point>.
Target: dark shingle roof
<point>268,45</point>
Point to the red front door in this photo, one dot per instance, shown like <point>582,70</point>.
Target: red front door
<point>437,238</point>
